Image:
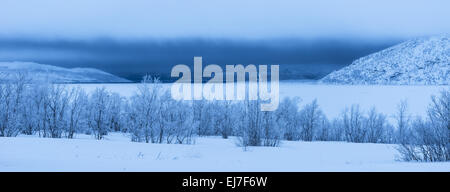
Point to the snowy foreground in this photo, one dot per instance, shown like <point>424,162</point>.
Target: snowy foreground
<point>117,153</point>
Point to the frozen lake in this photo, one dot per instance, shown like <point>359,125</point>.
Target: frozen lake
<point>333,98</point>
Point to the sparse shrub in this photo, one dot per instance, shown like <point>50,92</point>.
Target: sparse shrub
<point>429,140</point>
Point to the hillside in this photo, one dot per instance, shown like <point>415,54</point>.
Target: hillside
<point>41,72</point>
<point>421,61</point>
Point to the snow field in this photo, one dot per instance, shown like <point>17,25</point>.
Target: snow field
<point>117,153</point>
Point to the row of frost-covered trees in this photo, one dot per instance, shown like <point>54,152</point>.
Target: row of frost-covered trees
<point>152,116</point>
<point>56,111</point>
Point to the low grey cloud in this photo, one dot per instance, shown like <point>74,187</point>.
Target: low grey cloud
<point>299,58</point>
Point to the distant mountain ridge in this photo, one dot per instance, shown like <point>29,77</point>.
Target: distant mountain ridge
<point>421,61</point>
<point>41,72</point>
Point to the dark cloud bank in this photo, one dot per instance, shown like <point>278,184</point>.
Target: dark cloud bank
<point>131,59</point>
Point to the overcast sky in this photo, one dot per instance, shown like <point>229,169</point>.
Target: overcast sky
<point>229,19</point>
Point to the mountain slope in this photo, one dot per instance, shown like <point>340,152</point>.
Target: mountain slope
<point>421,61</point>
<point>41,72</point>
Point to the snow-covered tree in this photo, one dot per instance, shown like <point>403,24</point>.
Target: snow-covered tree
<point>258,128</point>
<point>403,122</point>
<point>98,114</point>
<point>310,118</point>
<point>375,123</point>
<point>12,102</point>
<point>228,119</point>
<point>57,103</point>
<point>145,111</point>
<point>288,118</point>
<point>77,112</point>
<point>116,112</point>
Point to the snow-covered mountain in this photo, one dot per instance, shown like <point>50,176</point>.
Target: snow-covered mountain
<point>421,61</point>
<point>41,72</point>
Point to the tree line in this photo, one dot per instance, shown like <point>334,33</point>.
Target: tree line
<point>152,116</point>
